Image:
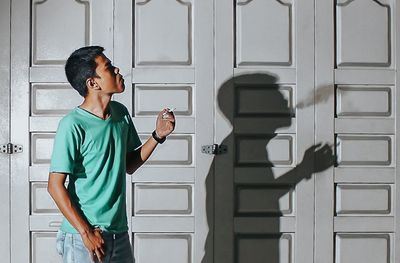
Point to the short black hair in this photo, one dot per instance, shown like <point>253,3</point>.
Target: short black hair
<point>81,65</point>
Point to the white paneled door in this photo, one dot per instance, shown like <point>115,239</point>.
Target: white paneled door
<point>167,54</point>
<point>264,79</point>
<point>164,49</point>
<point>357,202</point>
<point>43,34</point>
<point>264,197</point>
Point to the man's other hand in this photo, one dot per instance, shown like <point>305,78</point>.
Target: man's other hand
<point>94,243</point>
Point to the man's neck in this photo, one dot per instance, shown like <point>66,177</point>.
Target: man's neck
<point>98,105</point>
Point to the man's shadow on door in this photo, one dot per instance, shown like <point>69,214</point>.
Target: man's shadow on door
<point>245,185</point>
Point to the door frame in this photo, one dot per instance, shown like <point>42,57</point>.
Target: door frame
<point>324,78</point>
<point>396,240</point>
<point>19,125</point>
<point>5,16</point>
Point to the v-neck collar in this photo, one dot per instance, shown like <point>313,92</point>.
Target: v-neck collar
<point>95,116</point>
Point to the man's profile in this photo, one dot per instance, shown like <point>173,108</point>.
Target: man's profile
<point>96,144</point>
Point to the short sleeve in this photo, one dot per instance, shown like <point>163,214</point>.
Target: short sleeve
<point>65,148</point>
<point>133,138</point>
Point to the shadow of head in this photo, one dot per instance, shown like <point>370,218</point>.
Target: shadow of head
<point>256,96</point>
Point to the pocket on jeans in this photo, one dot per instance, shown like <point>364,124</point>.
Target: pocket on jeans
<point>60,239</point>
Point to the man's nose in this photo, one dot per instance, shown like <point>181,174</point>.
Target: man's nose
<point>116,70</point>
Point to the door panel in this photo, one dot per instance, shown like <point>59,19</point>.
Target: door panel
<point>272,48</point>
<point>58,106</point>
<point>52,47</point>
<point>171,247</point>
<point>41,242</point>
<point>156,42</point>
<point>367,43</point>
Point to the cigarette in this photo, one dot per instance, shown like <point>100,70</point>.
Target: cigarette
<point>169,110</point>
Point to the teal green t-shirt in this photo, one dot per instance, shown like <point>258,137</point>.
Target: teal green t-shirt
<point>92,151</point>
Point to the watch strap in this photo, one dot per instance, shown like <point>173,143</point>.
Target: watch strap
<point>158,139</point>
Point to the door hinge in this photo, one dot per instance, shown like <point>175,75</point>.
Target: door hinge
<point>10,148</point>
<point>214,149</point>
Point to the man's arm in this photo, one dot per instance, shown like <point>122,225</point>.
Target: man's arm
<point>165,124</point>
<point>136,158</point>
<point>91,238</point>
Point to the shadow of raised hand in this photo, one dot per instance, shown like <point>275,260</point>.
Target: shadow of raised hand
<point>317,159</point>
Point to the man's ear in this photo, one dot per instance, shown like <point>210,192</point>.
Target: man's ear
<point>91,84</point>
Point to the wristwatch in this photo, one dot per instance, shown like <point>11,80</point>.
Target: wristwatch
<point>158,139</point>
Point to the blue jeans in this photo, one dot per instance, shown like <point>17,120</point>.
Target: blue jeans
<point>117,248</point>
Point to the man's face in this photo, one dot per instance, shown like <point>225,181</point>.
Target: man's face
<point>108,77</point>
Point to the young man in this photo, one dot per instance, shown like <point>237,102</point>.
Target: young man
<point>95,145</point>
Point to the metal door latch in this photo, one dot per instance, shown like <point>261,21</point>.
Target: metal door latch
<point>10,148</point>
<point>214,149</point>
